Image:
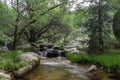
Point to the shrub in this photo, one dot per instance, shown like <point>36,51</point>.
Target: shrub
<point>11,61</point>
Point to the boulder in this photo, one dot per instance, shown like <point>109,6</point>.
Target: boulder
<point>92,68</point>
<point>73,50</point>
<point>31,59</point>
<point>79,45</point>
<point>5,76</point>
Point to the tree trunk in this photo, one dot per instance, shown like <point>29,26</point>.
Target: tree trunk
<point>15,35</point>
<point>15,40</point>
<point>101,43</point>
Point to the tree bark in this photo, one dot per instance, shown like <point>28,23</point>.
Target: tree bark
<point>101,43</point>
<point>15,40</point>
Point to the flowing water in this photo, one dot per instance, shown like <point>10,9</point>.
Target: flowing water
<point>59,69</point>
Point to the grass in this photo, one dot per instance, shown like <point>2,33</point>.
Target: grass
<point>109,60</point>
<point>11,61</point>
<point>77,57</point>
<point>26,50</point>
<point>2,78</point>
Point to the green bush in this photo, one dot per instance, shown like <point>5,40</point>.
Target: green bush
<point>11,61</point>
<point>10,65</point>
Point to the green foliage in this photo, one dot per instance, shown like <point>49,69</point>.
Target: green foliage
<point>41,13</point>
<point>88,18</point>
<point>7,16</point>
<point>99,26</point>
<point>109,60</point>
<point>11,61</point>
<point>2,78</point>
<point>10,65</point>
<point>115,4</point>
<point>78,57</point>
<point>26,50</point>
<point>14,55</point>
<point>2,41</point>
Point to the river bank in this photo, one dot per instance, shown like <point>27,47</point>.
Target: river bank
<point>62,69</point>
<point>109,61</point>
<point>15,64</point>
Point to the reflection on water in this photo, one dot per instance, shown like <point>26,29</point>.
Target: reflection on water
<point>55,69</point>
<point>61,69</point>
<point>51,73</point>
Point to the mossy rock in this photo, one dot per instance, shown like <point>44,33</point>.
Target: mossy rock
<point>31,59</point>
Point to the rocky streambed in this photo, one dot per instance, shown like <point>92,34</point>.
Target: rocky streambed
<point>55,69</point>
<point>63,69</point>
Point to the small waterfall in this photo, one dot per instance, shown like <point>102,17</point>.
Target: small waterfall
<point>59,54</point>
<point>6,43</point>
<point>50,52</point>
<point>43,54</point>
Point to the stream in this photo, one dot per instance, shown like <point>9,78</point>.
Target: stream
<point>62,69</point>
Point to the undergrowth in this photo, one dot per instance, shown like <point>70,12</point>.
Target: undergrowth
<point>109,60</point>
<point>11,61</point>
